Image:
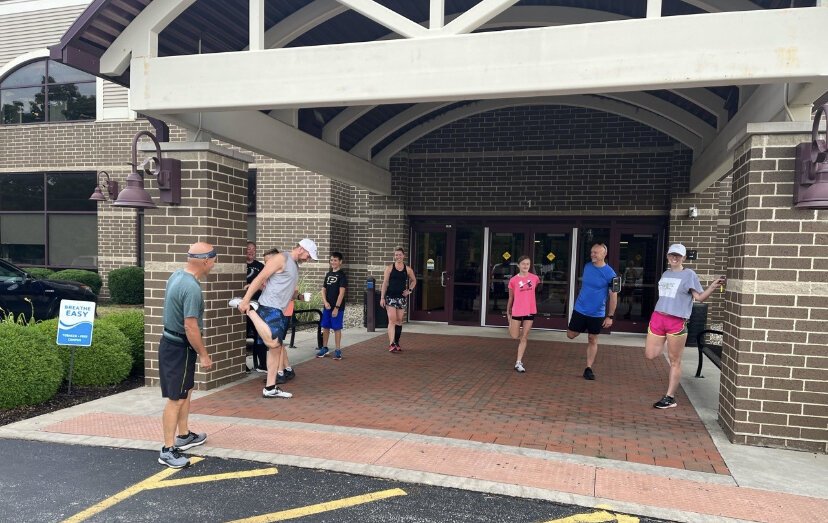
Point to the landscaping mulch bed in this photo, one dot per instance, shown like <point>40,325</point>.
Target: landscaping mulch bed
<point>63,400</point>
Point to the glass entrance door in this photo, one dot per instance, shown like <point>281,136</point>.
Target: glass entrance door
<point>466,280</point>
<point>640,260</point>
<point>431,263</point>
<point>505,247</point>
<point>551,258</point>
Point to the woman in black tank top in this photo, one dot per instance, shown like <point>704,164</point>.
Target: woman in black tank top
<point>397,284</point>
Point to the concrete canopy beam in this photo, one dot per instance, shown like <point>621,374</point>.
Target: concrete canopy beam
<point>260,133</point>
<point>749,47</point>
<point>768,103</point>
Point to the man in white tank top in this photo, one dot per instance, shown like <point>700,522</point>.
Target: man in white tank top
<point>281,272</point>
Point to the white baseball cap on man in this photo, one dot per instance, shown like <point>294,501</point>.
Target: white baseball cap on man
<point>310,246</point>
<point>677,248</point>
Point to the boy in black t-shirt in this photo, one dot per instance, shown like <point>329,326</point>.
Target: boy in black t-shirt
<point>333,299</point>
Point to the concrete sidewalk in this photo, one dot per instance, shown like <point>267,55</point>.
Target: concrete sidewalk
<point>756,484</point>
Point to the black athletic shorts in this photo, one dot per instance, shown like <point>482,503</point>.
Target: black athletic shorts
<point>582,323</point>
<point>176,368</point>
<point>528,317</point>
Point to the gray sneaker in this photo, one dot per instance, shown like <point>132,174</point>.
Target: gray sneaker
<point>173,459</point>
<point>191,440</point>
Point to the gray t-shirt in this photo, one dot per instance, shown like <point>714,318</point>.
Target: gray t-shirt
<point>182,299</point>
<point>278,292</point>
<point>674,297</point>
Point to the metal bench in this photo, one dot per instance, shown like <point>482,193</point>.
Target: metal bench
<point>711,350</point>
<point>294,321</point>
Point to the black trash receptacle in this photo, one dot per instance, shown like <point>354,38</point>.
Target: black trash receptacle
<point>380,317</point>
<point>696,323</point>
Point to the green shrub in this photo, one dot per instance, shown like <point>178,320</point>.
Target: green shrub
<point>79,275</point>
<point>106,362</point>
<point>131,324</point>
<point>126,285</point>
<point>40,273</point>
<point>30,369</point>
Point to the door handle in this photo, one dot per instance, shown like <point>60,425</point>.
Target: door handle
<point>443,278</point>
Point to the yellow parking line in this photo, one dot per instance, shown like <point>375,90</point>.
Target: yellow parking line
<point>596,517</point>
<point>214,477</point>
<point>322,507</point>
<point>124,494</point>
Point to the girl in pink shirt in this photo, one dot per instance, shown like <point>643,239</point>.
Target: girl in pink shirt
<point>522,306</point>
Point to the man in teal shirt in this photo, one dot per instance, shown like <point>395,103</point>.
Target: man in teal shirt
<point>181,344</point>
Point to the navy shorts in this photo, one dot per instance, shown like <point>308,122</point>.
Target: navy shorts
<point>582,323</point>
<point>329,322</point>
<point>277,322</point>
<point>176,368</point>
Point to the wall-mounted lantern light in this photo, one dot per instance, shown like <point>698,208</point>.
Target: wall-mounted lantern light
<point>110,185</point>
<point>166,170</point>
<point>811,170</point>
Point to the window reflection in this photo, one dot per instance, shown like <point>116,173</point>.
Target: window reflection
<point>22,105</point>
<point>71,238</point>
<point>47,91</point>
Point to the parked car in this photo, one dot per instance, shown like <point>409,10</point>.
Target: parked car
<point>20,293</point>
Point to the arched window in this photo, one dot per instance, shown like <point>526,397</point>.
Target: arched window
<point>47,91</point>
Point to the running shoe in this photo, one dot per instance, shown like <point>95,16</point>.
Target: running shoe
<point>519,367</point>
<point>276,392</point>
<point>290,374</point>
<point>323,351</point>
<point>337,354</point>
<point>667,402</point>
<point>173,459</point>
<point>392,348</point>
<point>190,440</point>
<point>588,374</point>
<point>235,302</point>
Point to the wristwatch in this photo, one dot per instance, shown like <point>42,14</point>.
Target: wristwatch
<point>611,316</point>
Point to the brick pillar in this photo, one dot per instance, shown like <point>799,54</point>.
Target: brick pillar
<point>774,385</point>
<point>213,209</point>
<point>387,222</point>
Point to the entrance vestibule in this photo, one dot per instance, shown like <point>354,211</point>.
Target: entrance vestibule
<point>456,260</point>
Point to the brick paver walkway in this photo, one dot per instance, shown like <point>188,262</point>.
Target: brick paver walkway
<point>465,388</point>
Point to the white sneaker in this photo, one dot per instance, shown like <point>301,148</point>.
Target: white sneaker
<point>235,302</point>
<point>276,393</point>
<point>519,367</point>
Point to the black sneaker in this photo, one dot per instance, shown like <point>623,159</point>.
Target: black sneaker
<point>280,379</point>
<point>588,374</point>
<point>667,402</point>
<point>289,374</point>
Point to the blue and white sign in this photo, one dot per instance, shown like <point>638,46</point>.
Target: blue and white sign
<point>75,323</point>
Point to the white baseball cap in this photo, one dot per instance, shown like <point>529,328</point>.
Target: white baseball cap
<point>310,246</point>
<point>677,248</point>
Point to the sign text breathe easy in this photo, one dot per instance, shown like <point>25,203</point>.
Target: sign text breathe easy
<point>78,312</point>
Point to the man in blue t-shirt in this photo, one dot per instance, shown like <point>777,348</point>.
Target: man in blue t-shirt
<point>591,314</point>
